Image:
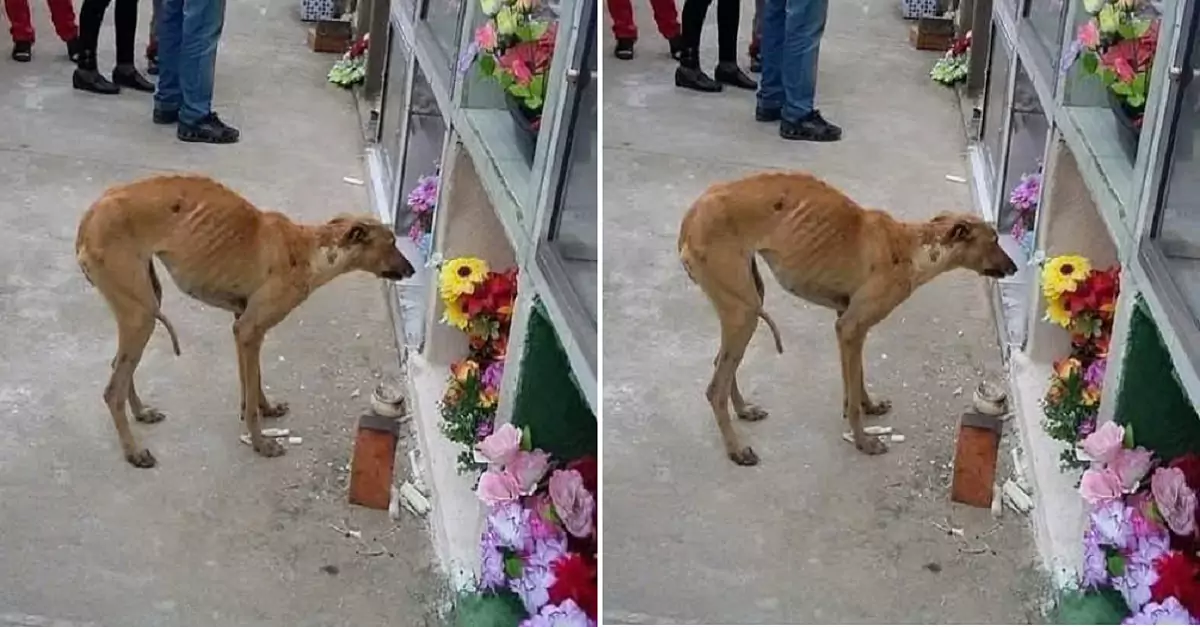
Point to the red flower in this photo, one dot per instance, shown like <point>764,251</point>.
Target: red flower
<point>575,579</point>
<point>1177,577</point>
<point>586,467</point>
<point>1190,465</point>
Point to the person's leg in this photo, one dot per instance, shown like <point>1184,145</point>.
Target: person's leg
<point>62,14</point>
<point>203,21</point>
<point>756,38</point>
<point>770,84</point>
<point>87,77</point>
<point>21,29</point>
<point>152,45</point>
<point>804,25</point>
<point>728,72</point>
<point>125,23</point>
<point>688,74</point>
<point>666,17</point>
<point>623,26</point>
<point>169,32</point>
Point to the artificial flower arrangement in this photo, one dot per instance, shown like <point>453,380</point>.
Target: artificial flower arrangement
<point>351,69</point>
<point>1082,300</point>
<point>539,544</point>
<point>514,47</point>
<point>952,67</point>
<point>1117,45</point>
<point>479,302</point>
<point>422,201</point>
<point>1140,562</point>
<point>1024,200</point>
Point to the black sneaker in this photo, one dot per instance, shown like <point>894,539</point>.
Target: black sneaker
<point>128,76</point>
<point>624,49</point>
<point>695,78</point>
<point>209,130</point>
<point>22,51</point>
<point>811,127</point>
<point>730,74</point>
<point>765,114</point>
<point>166,116</point>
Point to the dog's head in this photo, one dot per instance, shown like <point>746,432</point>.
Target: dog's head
<point>369,245</point>
<point>973,244</point>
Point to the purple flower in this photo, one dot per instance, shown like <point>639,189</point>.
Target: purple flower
<point>543,553</point>
<point>1169,612</point>
<point>1094,375</point>
<point>1112,523</point>
<point>467,57</point>
<point>1070,53</point>
<point>1086,428</point>
<point>1025,195</point>
<point>492,375</point>
<point>1148,548</point>
<point>423,197</point>
<point>492,568</point>
<point>566,614</point>
<point>483,430</point>
<point>533,586</point>
<point>510,523</point>
<point>1095,566</point>
<point>1134,584</point>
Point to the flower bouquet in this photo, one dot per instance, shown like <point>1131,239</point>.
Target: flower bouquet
<point>539,538</point>
<point>952,67</point>
<point>422,201</point>
<point>351,69</point>
<point>1140,540</point>
<point>1024,201</point>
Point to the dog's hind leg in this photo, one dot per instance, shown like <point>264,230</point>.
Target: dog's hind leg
<point>134,327</point>
<point>748,411</point>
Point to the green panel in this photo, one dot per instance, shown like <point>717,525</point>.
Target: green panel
<point>548,397</point>
<point>1151,397</point>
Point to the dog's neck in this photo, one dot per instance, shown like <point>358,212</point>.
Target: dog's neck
<point>328,260</point>
<point>930,258</point>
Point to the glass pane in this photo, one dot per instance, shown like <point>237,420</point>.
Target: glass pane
<point>995,101</point>
<point>422,157</point>
<point>1179,226</point>
<point>1046,17</point>
<point>394,88</point>
<point>443,19</point>
<point>574,235</point>
<point>1027,144</point>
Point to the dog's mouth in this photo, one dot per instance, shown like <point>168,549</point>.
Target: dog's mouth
<point>393,275</point>
<point>994,273</point>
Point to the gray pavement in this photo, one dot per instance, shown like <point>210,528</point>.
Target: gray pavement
<point>816,532</point>
<point>215,535</point>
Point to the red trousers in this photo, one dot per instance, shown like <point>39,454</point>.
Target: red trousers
<point>62,13</point>
<point>665,16</point>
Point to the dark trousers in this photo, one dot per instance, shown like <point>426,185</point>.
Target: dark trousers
<point>91,15</point>
<point>694,12</point>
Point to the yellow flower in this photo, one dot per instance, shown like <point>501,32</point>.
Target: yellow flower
<point>488,399</point>
<point>464,369</point>
<point>1091,396</point>
<point>1064,368</point>
<point>1057,313</point>
<point>1063,273</point>
<point>460,276</point>
<point>455,315</point>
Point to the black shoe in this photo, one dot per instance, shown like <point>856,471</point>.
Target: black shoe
<point>209,130</point>
<point>73,50</point>
<point>166,116</point>
<point>22,51</point>
<point>695,78</point>
<point>93,81</point>
<point>676,44</point>
<point>768,115</point>
<point>152,65</point>
<point>128,76</point>
<point>624,49</point>
<point>755,62</point>
<point>811,127</point>
<point>730,74</point>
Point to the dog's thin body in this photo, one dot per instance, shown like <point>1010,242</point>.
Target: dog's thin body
<point>223,251</point>
<point>822,247</point>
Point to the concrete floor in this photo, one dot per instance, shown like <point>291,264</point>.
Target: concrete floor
<point>215,535</point>
<point>817,532</point>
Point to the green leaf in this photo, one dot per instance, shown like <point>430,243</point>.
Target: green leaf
<point>487,64</point>
<point>1103,607</point>
<point>1139,83</point>
<point>1128,436</point>
<point>1091,62</point>
<point>526,438</point>
<point>513,567</point>
<point>1092,6</point>
<point>537,86</point>
<point>1116,565</point>
<point>1120,89</point>
<point>1136,101</point>
<point>1110,19</point>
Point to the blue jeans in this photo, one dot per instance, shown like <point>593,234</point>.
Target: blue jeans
<point>188,32</point>
<point>791,43</point>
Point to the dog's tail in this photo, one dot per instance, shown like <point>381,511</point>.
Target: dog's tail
<point>170,330</point>
<point>758,285</point>
<point>156,285</point>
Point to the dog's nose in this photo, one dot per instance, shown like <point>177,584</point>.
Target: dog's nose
<point>1010,267</point>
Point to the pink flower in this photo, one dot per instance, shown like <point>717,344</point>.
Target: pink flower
<point>1099,485</point>
<point>528,468</point>
<point>502,445</point>
<point>1176,501</point>
<point>1089,35</point>
<point>1131,465</point>
<point>1124,70</point>
<point>572,502</point>
<point>485,36</point>
<point>1105,442</point>
<point>520,72</point>
<point>497,487</point>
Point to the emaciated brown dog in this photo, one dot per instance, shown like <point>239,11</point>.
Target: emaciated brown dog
<point>826,249</point>
<point>221,250</point>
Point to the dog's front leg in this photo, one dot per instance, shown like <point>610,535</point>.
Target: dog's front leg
<point>868,307</point>
<point>249,331</point>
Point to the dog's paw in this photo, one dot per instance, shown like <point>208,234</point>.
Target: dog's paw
<point>149,416</point>
<point>275,410</point>
<point>268,447</point>
<point>871,445</point>
<point>744,457</point>
<point>878,408</point>
<point>141,459</point>
<point>752,413</point>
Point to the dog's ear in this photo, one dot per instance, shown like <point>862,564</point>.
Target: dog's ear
<point>356,234</point>
<point>959,231</point>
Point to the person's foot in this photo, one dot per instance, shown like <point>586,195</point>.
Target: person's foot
<point>93,81</point>
<point>166,116</point>
<point>755,62</point>
<point>695,78</point>
<point>811,127</point>
<point>676,44</point>
<point>22,51</point>
<point>768,114</point>
<point>128,76</point>
<point>73,49</point>
<point>624,49</point>
<point>209,130</point>
<point>729,73</point>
